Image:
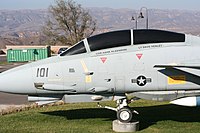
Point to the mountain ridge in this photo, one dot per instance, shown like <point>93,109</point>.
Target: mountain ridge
<point>25,26</point>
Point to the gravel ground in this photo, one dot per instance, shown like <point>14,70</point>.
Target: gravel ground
<point>11,101</point>
<point>7,107</point>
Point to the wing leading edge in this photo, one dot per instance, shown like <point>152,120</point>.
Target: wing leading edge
<point>178,66</point>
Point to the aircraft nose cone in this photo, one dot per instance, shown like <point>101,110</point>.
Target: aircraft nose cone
<point>17,80</point>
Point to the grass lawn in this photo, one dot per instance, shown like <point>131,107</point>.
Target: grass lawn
<point>155,117</point>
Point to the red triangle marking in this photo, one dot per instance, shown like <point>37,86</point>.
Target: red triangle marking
<point>139,56</point>
<point>103,59</point>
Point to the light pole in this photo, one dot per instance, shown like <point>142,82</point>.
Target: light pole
<point>135,18</point>
<point>142,16</point>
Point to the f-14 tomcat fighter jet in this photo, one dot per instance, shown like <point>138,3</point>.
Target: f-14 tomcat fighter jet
<point>149,64</point>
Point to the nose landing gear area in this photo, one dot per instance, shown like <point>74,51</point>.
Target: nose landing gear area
<point>124,113</point>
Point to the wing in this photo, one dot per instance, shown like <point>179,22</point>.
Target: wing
<point>190,71</point>
<point>178,66</point>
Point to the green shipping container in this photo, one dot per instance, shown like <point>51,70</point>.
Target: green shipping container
<point>25,55</point>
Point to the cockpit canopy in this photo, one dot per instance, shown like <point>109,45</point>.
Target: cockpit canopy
<point>124,38</point>
<point>110,40</point>
<point>156,36</point>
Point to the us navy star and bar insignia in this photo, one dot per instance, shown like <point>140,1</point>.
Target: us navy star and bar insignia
<point>141,80</point>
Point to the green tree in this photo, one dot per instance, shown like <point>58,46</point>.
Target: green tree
<point>69,23</point>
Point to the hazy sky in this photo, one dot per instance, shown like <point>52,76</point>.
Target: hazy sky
<point>132,4</point>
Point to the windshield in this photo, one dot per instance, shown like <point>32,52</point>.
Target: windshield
<point>76,49</point>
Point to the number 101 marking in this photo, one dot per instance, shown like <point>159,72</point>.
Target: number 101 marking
<point>42,72</point>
